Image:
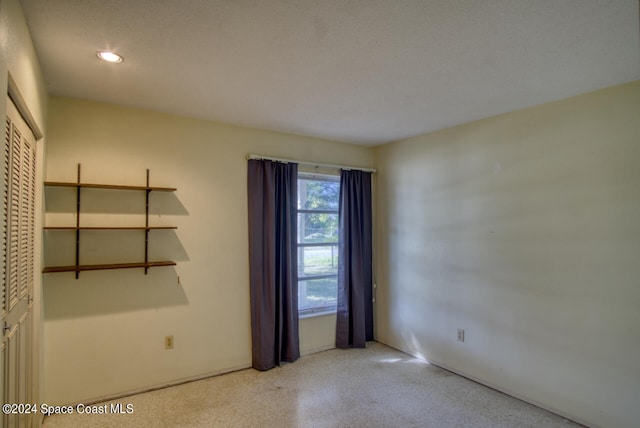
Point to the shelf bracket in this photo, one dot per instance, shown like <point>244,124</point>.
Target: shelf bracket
<point>146,225</point>
<point>78,225</point>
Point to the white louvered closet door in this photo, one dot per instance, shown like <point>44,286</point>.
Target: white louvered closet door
<point>18,224</point>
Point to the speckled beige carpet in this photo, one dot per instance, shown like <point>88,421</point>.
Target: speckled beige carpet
<point>373,387</point>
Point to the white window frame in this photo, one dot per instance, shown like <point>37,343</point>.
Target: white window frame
<point>320,310</point>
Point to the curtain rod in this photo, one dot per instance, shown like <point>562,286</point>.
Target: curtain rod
<point>319,165</point>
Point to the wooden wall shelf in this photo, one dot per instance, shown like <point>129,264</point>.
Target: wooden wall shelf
<point>109,228</point>
<point>52,269</point>
<point>77,268</point>
<point>108,186</point>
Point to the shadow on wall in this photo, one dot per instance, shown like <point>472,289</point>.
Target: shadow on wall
<point>110,292</point>
<point>104,292</point>
<point>112,201</point>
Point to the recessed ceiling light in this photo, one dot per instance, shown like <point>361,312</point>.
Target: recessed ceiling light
<point>109,56</point>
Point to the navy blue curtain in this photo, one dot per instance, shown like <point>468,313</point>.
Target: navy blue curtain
<point>273,260</point>
<point>355,278</point>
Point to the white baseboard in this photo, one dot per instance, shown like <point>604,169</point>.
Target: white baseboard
<point>316,350</point>
<point>161,385</point>
<point>498,388</point>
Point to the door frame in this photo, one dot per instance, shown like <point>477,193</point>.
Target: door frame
<point>36,312</point>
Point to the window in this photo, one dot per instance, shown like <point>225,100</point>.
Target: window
<point>317,243</point>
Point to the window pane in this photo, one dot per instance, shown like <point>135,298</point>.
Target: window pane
<point>318,260</point>
<point>318,195</point>
<point>317,228</point>
<point>317,293</point>
<point>318,243</point>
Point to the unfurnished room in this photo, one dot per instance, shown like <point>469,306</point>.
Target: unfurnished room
<point>297,213</point>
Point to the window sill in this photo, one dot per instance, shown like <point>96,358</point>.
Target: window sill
<point>313,314</point>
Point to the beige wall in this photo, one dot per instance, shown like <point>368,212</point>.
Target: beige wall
<point>521,229</point>
<point>105,330</point>
<point>18,59</point>
<point>524,231</point>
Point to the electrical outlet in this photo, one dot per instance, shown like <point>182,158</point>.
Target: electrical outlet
<point>460,335</point>
<point>168,342</point>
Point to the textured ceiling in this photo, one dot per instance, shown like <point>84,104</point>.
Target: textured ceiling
<point>360,71</point>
